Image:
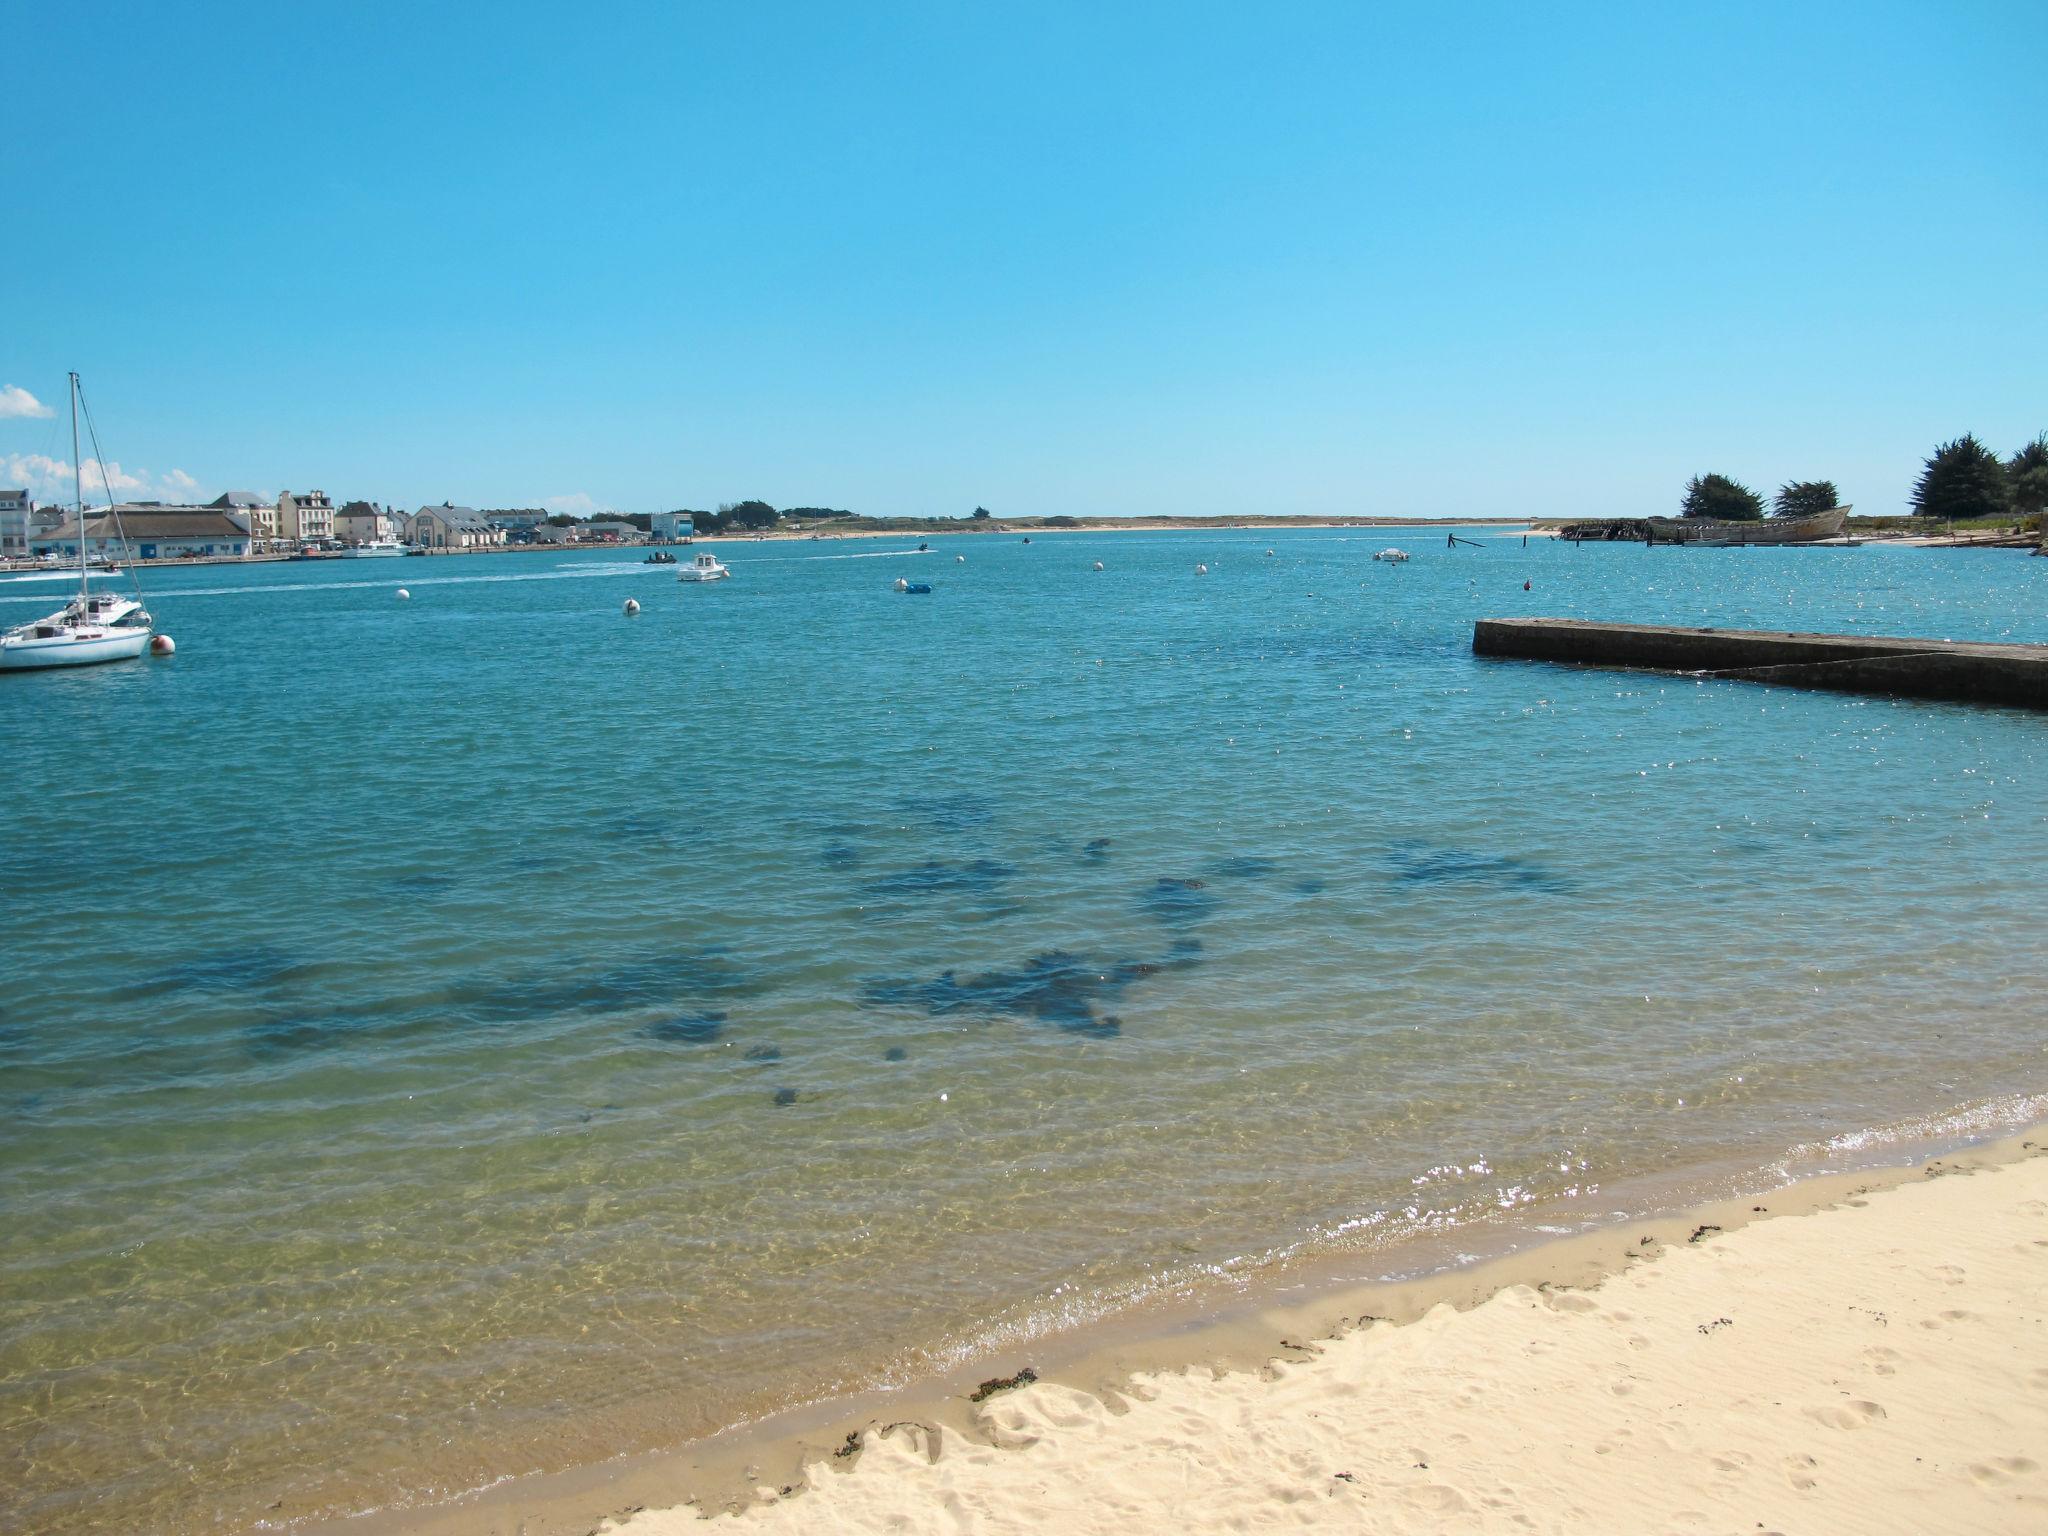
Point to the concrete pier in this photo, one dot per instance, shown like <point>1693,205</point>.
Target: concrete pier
<point>1926,669</point>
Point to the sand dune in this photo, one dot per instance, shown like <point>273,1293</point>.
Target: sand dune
<point>1877,1366</point>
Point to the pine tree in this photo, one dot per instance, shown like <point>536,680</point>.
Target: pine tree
<point>1962,480</point>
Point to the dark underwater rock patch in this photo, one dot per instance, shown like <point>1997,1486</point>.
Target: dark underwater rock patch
<point>895,1053</point>
<point>1465,866</point>
<point>1309,886</point>
<point>1068,991</point>
<point>784,1097</point>
<point>1096,851</point>
<point>839,856</point>
<point>948,813</point>
<point>251,968</point>
<point>1177,901</point>
<point>764,1053</point>
<point>423,883</point>
<point>686,1029</point>
<point>1243,867</point>
<point>978,877</point>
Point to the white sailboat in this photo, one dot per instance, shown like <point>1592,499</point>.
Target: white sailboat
<point>93,626</point>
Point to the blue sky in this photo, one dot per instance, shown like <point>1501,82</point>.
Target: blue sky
<point>1090,258</point>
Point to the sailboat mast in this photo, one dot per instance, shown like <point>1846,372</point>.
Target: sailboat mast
<point>78,493</point>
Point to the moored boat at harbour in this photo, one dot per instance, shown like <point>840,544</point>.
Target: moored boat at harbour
<point>94,626</point>
<point>373,550</point>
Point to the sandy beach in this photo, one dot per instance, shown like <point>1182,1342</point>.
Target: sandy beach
<point>1877,1364</point>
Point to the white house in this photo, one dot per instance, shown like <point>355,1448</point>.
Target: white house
<point>260,515</point>
<point>150,530</point>
<point>672,526</point>
<point>305,518</point>
<point>361,522</point>
<point>451,527</point>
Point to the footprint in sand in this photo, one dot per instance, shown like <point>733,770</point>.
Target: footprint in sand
<point>1881,1359</point>
<point>1854,1414</point>
<point>1799,1472</point>
<point>1948,1274</point>
<point>2001,1469</point>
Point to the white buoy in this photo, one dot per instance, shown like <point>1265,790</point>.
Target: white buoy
<point>403,593</point>
<point>1269,554</point>
<point>162,645</point>
<point>632,607</point>
<point>1098,565</point>
<point>960,559</point>
<point>1201,570</point>
<point>902,585</point>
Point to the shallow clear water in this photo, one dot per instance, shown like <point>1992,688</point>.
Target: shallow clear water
<point>454,1036</point>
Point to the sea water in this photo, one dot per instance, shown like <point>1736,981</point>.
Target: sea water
<point>445,1038</point>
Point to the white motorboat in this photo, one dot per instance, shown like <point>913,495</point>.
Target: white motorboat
<point>373,550</point>
<point>92,627</point>
<point>1393,556</point>
<point>704,568</point>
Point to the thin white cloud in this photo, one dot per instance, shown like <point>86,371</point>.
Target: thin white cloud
<point>177,480</point>
<point>16,401</point>
<point>575,504</point>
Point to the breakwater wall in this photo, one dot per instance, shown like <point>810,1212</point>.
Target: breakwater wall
<point>1927,669</point>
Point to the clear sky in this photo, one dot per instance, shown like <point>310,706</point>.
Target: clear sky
<point>1091,258</point>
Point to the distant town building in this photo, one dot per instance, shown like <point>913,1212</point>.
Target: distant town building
<point>515,519</point>
<point>150,530</point>
<point>555,533</point>
<point>671,526</point>
<point>451,527</point>
<point>305,518</point>
<point>363,522</point>
<point>615,529</point>
<point>260,515</point>
<point>15,513</point>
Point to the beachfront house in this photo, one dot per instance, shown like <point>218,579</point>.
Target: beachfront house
<point>259,515</point>
<point>150,530</point>
<point>305,518</point>
<point>451,527</point>
<point>363,522</point>
<point>15,512</point>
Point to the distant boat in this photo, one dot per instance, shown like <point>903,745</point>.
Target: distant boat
<point>1393,556</point>
<point>1711,532</point>
<point>1777,530</point>
<point>659,557</point>
<point>376,549</point>
<point>92,627</point>
<point>704,568</point>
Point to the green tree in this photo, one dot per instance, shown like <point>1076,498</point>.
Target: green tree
<point>1962,479</point>
<point>707,522</point>
<point>1718,496</point>
<point>1803,498</point>
<point>981,514</point>
<point>751,515</point>
<point>2026,478</point>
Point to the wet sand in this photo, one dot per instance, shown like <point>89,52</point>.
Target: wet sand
<point>1859,1351</point>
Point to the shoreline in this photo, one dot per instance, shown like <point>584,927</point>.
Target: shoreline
<point>1276,1320</point>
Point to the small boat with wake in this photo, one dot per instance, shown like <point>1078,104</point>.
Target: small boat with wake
<point>659,557</point>
<point>704,568</point>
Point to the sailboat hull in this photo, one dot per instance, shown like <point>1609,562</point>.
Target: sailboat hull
<point>64,651</point>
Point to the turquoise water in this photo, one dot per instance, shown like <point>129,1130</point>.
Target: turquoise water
<point>448,1037</point>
